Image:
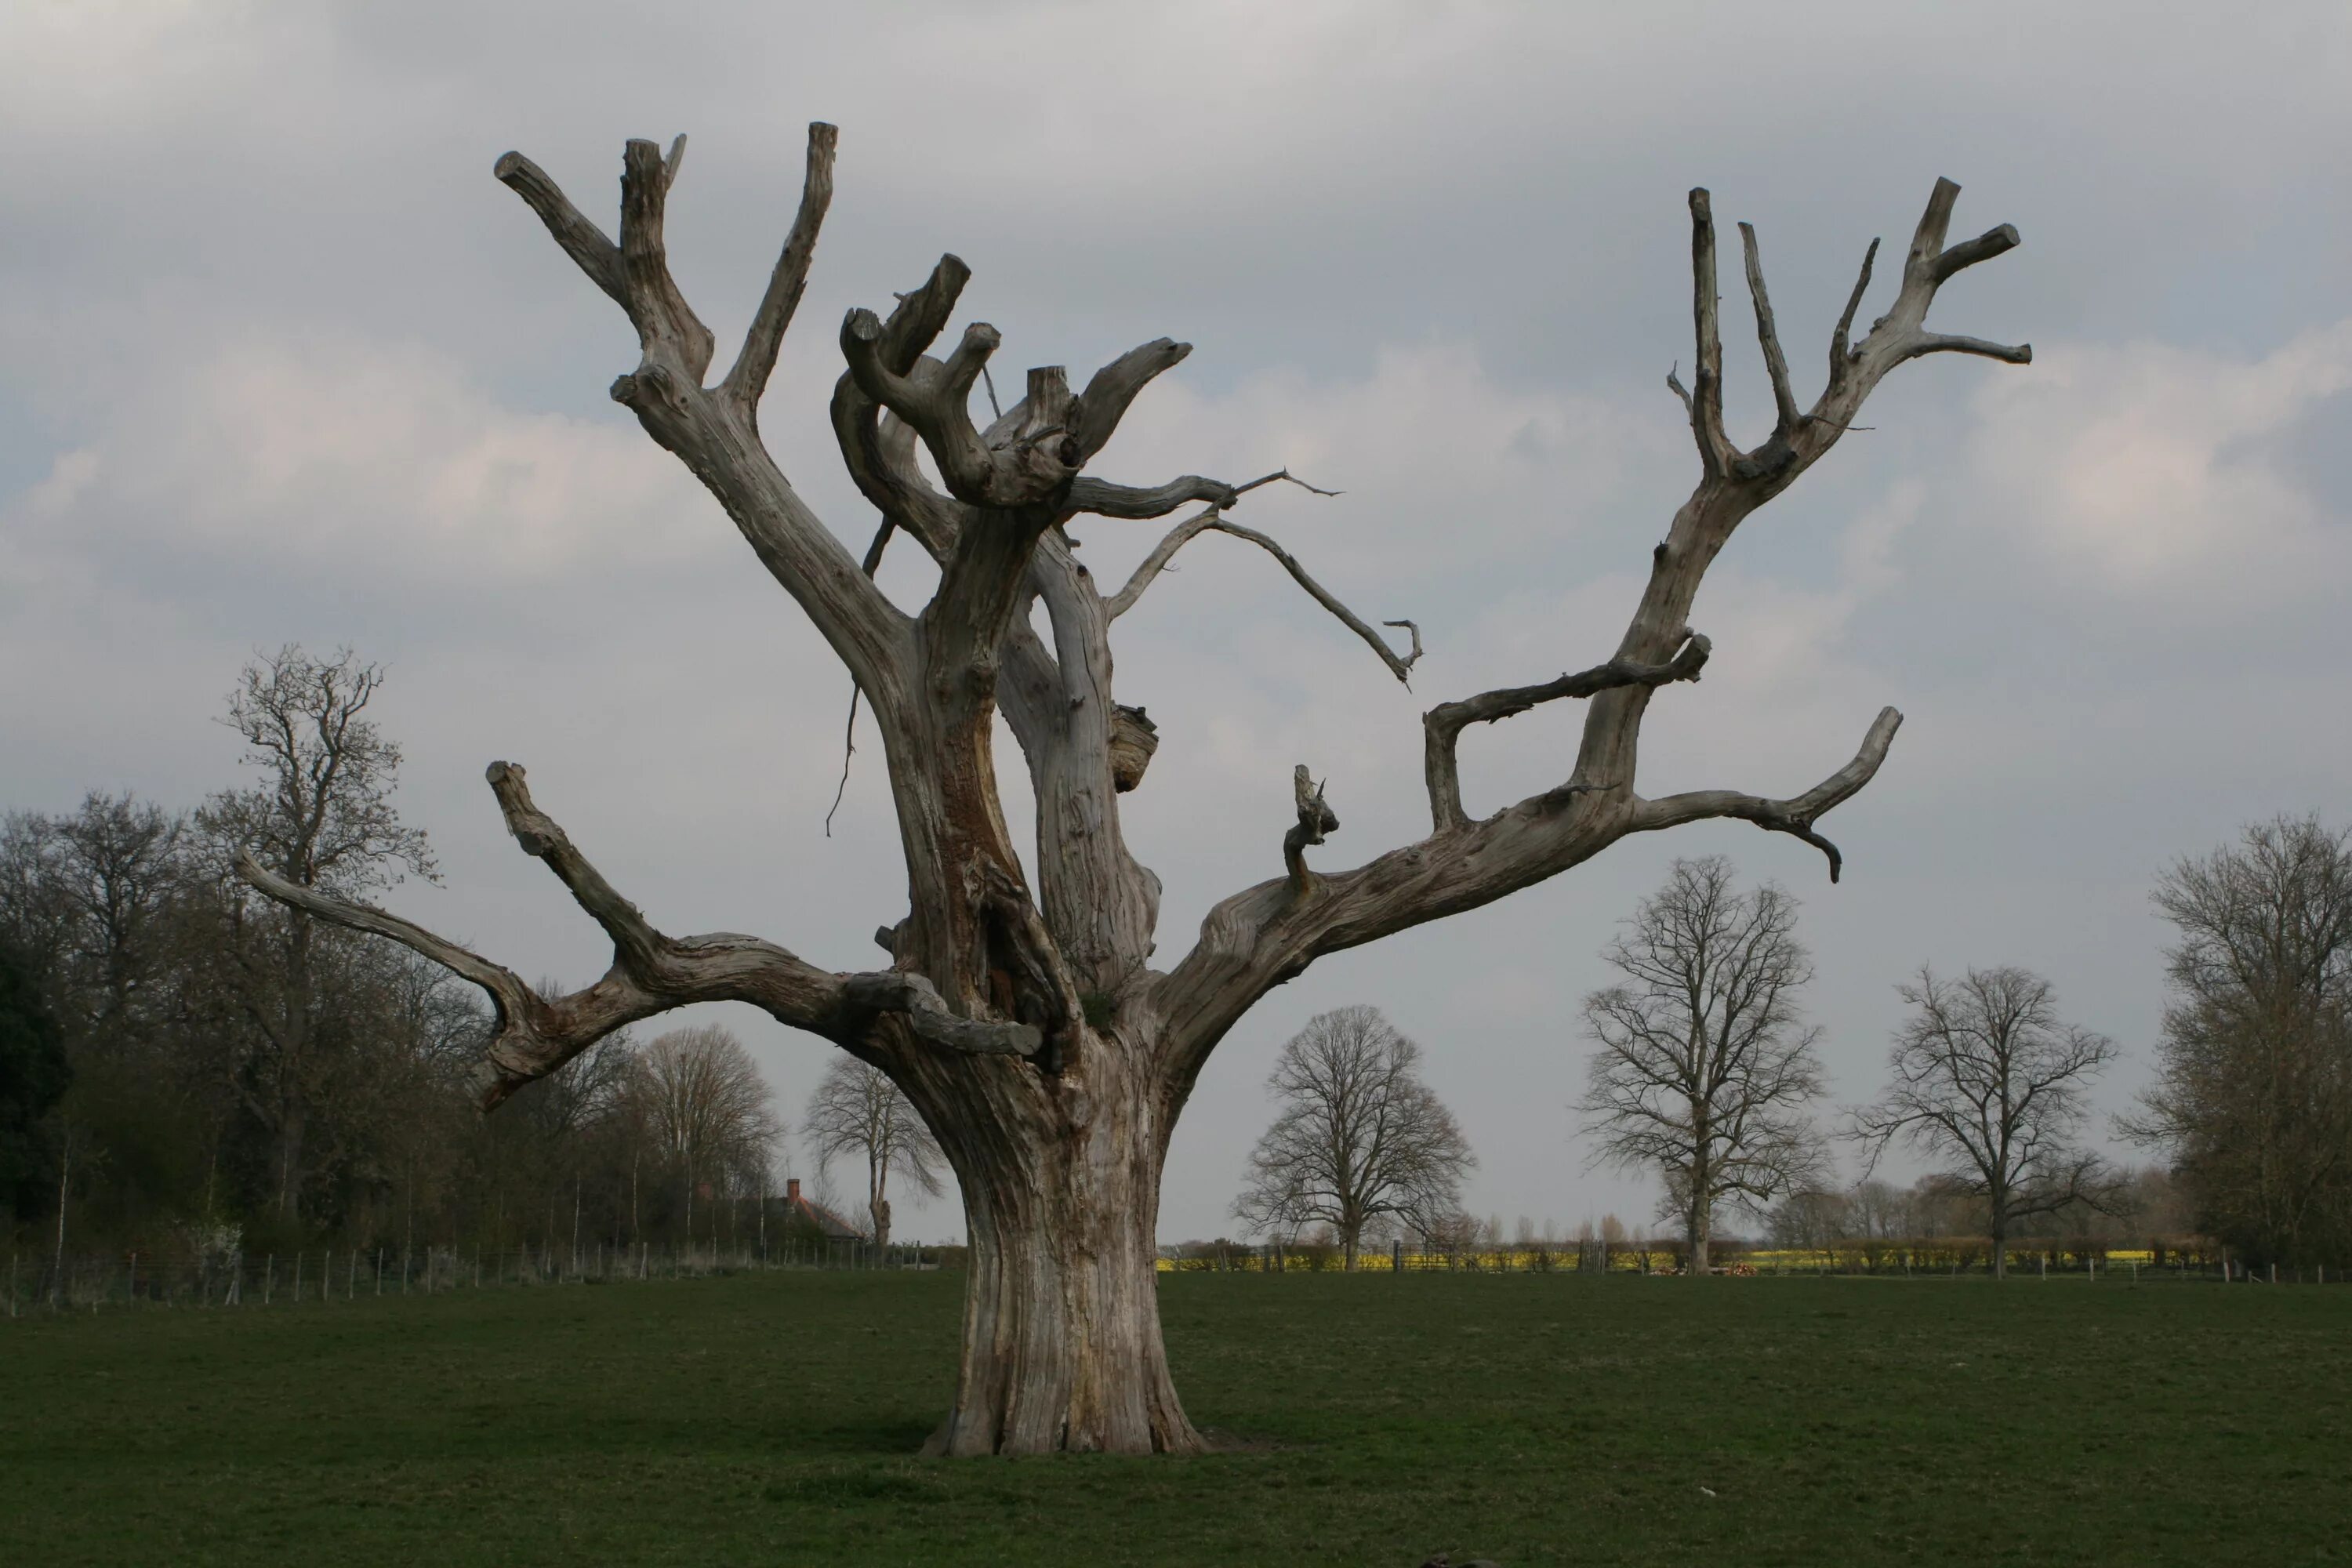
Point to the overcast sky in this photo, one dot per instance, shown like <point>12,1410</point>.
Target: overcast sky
<point>280,362</point>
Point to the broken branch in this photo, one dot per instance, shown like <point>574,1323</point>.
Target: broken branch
<point>930,1018</point>
<point>1795,815</point>
<point>1104,499</point>
<point>1316,818</point>
<point>1768,335</point>
<point>766,337</point>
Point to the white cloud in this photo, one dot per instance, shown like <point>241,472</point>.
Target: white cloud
<point>377,463</point>
<point>2155,471</point>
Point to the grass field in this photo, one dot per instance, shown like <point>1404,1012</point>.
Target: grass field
<point>772,1418</point>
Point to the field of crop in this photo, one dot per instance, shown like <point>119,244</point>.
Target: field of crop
<point>772,1418</point>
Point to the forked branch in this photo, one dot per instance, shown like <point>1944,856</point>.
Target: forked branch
<point>1799,438</point>
<point>713,430</point>
<point>1442,725</point>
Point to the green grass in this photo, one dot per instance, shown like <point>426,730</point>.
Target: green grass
<point>771,1419</point>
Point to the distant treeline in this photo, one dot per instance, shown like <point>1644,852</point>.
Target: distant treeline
<point>179,1056</point>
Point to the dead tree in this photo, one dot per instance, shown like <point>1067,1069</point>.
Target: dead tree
<point>1018,1008</point>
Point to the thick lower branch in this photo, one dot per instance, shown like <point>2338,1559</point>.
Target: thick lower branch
<point>1103,499</point>
<point>534,1035</point>
<point>651,972</point>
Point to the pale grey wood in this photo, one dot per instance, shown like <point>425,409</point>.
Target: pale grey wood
<point>1020,1013</point>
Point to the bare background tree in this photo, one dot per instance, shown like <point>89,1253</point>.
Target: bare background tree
<point>1358,1136</point>
<point>321,820</point>
<point>856,1112</point>
<point>1706,1071</point>
<point>2253,1101</point>
<point>705,1106</point>
<point>1991,1084</point>
<point>1020,1014</point>
<point>157,1067</point>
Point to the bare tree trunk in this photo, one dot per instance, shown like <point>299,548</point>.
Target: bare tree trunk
<point>292,1125</point>
<point>64,1175</point>
<point>1061,1322</point>
<point>1999,1238</point>
<point>1700,1221</point>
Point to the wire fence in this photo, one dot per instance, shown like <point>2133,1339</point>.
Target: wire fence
<point>194,1277</point>
<point>2189,1258</point>
<point>199,1278</point>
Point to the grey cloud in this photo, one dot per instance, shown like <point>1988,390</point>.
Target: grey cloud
<point>280,359</point>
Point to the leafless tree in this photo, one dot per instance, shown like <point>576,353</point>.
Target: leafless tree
<point>856,1112</point>
<point>705,1107</point>
<point>1358,1134</point>
<point>320,822</point>
<point>1022,1015</point>
<point>2253,1094</point>
<point>1704,1072</point>
<point>93,893</point>
<point>1991,1084</point>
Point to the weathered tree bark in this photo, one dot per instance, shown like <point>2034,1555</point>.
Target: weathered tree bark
<point>1021,1016</point>
<point>1061,1323</point>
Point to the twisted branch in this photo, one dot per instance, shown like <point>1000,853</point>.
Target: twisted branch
<point>1795,815</point>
